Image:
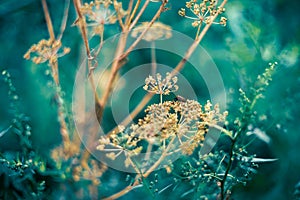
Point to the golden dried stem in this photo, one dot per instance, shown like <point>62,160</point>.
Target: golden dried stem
<point>82,26</point>
<point>119,56</point>
<point>136,19</point>
<point>134,10</point>
<point>83,30</point>
<point>153,59</point>
<point>48,20</point>
<point>54,70</point>
<point>160,10</point>
<point>119,16</point>
<point>122,192</point>
<point>127,20</point>
<point>113,74</point>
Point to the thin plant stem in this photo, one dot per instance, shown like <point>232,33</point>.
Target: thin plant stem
<point>119,56</point>
<point>153,59</point>
<point>127,20</point>
<point>82,26</point>
<point>135,9</point>
<point>136,19</point>
<point>148,152</point>
<point>133,45</point>
<point>119,16</point>
<point>196,42</point>
<point>114,71</point>
<point>54,71</point>
<point>64,20</point>
<point>223,181</point>
<point>48,20</point>
<point>161,98</point>
<point>198,30</point>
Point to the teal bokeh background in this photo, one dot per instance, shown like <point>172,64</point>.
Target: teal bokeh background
<point>257,33</point>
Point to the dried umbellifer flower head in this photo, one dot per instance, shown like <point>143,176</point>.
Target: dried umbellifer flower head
<point>159,85</point>
<point>100,13</point>
<point>202,12</point>
<point>46,50</point>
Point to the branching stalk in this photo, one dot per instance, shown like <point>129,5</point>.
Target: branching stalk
<point>54,71</point>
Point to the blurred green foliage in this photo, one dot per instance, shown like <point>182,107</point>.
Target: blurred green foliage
<point>257,32</point>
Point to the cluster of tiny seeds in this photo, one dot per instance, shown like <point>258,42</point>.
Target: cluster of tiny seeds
<point>46,50</point>
<point>184,120</point>
<point>203,12</point>
<point>161,86</point>
<point>187,121</point>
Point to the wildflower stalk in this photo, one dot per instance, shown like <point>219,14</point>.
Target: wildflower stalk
<point>136,19</point>
<point>121,54</point>
<point>83,30</point>
<point>82,26</point>
<point>119,16</point>
<point>247,111</point>
<point>114,71</point>
<point>48,20</point>
<point>135,9</point>
<point>196,42</point>
<point>127,20</point>
<point>158,13</point>
<point>179,66</point>
<point>54,69</point>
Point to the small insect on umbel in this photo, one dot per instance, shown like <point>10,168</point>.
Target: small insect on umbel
<point>180,98</point>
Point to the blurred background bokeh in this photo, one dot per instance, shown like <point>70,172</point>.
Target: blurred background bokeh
<point>258,32</point>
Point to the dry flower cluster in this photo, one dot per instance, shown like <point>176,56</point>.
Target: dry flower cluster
<point>46,50</point>
<point>171,126</point>
<point>203,12</point>
<point>102,12</point>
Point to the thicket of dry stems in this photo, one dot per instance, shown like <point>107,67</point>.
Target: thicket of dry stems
<point>50,50</point>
